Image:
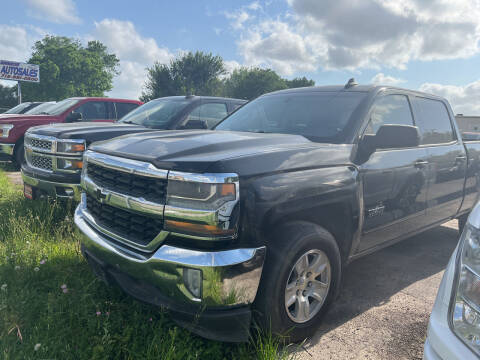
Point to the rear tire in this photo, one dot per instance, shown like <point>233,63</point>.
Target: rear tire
<point>278,306</point>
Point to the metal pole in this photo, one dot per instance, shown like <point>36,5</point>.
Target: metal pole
<point>19,89</point>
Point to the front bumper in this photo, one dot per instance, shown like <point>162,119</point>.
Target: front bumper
<point>230,280</point>
<point>441,342</point>
<point>53,189</point>
<point>6,151</point>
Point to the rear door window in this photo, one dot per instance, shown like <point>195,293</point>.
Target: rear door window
<point>211,113</point>
<point>93,110</point>
<point>389,110</point>
<point>433,122</point>
<point>124,108</point>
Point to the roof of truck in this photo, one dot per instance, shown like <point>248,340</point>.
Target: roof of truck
<point>105,99</point>
<point>354,88</point>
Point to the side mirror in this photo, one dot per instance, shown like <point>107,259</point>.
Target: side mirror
<point>389,137</point>
<point>73,117</point>
<point>195,124</point>
<point>396,136</point>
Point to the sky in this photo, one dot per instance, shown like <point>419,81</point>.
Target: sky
<point>428,45</point>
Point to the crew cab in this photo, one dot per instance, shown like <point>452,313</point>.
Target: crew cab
<point>54,152</point>
<point>260,216</point>
<point>13,128</point>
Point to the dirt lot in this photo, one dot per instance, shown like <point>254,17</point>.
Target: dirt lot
<point>383,310</point>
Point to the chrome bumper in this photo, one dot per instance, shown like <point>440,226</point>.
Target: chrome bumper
<point>229,278</point>
<point>70,191</point>
<point>7,148</point>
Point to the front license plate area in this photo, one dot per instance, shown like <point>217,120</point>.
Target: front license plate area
<point>28,191</point>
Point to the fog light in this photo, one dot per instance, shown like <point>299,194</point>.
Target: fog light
<point>192,278</point>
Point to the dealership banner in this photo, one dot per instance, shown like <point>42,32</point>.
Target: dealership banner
<point>10,70</point>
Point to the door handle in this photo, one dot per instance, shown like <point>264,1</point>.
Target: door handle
<point>420,164</point>
<point>460,158</point>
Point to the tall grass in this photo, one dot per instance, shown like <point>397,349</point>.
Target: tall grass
<point>52,307</point>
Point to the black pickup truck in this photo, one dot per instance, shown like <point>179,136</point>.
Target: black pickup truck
<point>53,153</point>
<point>260,216</point>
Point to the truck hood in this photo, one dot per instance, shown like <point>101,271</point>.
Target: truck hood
<point>89,131</point>
<point>21,118</point>
<point>244,153</point>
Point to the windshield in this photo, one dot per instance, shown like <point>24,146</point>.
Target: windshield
<point>62,106</point>
<point>156,114</point>
<point>18,109</point>
<point>41,109</point>
<point>319,116</point>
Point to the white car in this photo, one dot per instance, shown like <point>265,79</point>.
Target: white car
<point>454,327</point>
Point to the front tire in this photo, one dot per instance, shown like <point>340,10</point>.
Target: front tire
<point>301,277</point>
<point>19,154</point>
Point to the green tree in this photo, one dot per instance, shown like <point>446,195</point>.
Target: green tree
<point>8,96</point>
<point>193,73</point>
<point>69,69</point>
<point>299,82</point>
<point>248,83</point>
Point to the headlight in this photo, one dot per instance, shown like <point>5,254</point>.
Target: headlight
<point>5,130</point>
<point>69,164</point>
<point>466,306</point>
<point>200,196</point>
<point>201,205</point>
<point>71,146</point>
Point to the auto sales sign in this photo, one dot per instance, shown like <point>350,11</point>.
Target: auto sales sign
<point>10,70</point>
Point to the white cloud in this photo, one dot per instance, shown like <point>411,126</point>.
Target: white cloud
<point>21,48</point>
<point>254,6</point>
<point>345,34</point>
<point>282,49</point>
<point>464,99</point>
<point>231,65</point>
<point>57,11</point>
<point>135,52</point>
<point>382,79</point>
<point>238,18</point>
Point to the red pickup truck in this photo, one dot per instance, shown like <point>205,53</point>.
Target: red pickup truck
<point>13,128</point>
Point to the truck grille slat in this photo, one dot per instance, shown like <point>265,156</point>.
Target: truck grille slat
<point>151,189</point>
<point>41,162</point>
<point>137,228</point>
<point>40,144</point>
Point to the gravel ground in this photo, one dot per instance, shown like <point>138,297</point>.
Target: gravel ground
<point>386,300</point>
<point>15,177</point>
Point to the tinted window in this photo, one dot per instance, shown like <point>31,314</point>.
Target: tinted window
<point>93,110</point>
<point>210,113</point>
<point>320,116</point>
<point>433,122</point>
<point>235,106</point>
<point>62,106</point>
<point>41,109</point>
<point>124,108</point>
<point>20,108</point>
<point>389,110</point>
<point>156,114</point>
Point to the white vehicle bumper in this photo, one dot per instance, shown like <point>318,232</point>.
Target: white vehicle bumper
<point>441,342</point>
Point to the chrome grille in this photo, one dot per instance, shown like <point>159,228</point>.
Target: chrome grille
<point>137,228</point>
<point>150,188</point>
<point>41,162</point>
<point>41,144</point>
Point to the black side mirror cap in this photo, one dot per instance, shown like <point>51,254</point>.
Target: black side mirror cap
<point>73,117</point>
<point>388,137</point>
<point>397,136</point>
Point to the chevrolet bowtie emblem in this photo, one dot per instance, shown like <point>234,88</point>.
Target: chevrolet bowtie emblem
<point>100,195</point>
